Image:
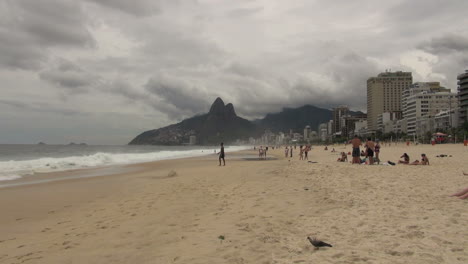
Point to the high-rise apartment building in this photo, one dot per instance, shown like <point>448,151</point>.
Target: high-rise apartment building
<point>384,95</point>
<point>463,96</point>
<point>425,105</point>
<point>339,112</point>
<point>419,87</point>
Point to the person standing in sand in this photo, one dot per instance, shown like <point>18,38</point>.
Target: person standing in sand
<point>356,142</point>
<point>370,150</point>
<point>377,151</point>
<point>221,155</point>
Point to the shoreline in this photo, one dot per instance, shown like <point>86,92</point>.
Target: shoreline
<point>89,172</point>
<point>177,211</point>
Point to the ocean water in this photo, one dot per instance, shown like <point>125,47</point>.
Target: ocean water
<point>17,161</point>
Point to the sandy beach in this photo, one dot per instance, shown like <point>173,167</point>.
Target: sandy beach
<point>250,211</point>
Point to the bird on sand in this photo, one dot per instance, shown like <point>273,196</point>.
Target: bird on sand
<point>317,243</point>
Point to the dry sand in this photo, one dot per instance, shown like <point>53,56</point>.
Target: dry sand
<point>192,211</point>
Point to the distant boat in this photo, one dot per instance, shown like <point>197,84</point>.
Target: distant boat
<point>41,143</point>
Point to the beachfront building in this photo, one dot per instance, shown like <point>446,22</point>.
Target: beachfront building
<point>330,128</point>
<point>463,97</point>
<point>427,104</point>
<point>400,126</point>
<point>307,135</point>
<point>419,87</point>
<point>384,95</point>
<point>348,124</point>
<point>445,120</point>
<point>193,140</point>
<point>323,131</point>
<point>386,121</point>
<point>338,123</point>
<point>424,124</point>
<point>360,128</point>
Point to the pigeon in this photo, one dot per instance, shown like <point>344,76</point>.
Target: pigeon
<point>317,243</point>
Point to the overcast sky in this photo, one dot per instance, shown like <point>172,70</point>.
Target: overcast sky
<point>103,71</point>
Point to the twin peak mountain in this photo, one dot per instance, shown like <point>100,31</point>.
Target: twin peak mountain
<point>221,124</point>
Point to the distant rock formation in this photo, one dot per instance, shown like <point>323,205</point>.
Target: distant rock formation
<point>220,124</point>
<point>41,143</point>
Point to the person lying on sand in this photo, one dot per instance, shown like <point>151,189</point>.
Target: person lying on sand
<point>405,159</point>
<point>463,194</point>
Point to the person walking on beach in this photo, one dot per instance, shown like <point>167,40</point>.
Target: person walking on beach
<point>370,150</point>
<point>356,142</point>
<point>306,151</point>
<point>286,152</point>
<point>221,155</point>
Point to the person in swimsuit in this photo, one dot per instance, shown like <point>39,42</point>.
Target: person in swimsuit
<point>405,159</point>
<point>343,158</point>
<point>370,150</point>
<point>424,159</point>
<point>356,142</point>
<point>377,151</point>
<point>221,155</point>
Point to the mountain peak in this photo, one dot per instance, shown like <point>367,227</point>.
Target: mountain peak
<point>230,110</point>
<point>217,107</point>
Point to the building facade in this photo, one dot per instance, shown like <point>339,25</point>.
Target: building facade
<point>463,97</point>
<point>419,87</point>
<point>384,94</point>
<point>426,105</point>
<point>386,121</point>
<point>307,134</point>
<point>338,113</point>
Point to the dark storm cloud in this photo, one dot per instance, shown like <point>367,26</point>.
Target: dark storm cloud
<point>134,7</point>
<point>38,107</point>
<point>183,96</point>
<point>169,59</point>
<point>69,76</point>
<point>28,28</point>
<point>172,49</point>
<point>446,44</point>
<point>17,51</point>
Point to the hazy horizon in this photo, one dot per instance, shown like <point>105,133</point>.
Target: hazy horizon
<point>101,72</point>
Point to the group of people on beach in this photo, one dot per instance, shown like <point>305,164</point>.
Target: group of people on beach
<point>371,148</point>
<point>406,160</point>
<point>371,153</point>
<point>262,152</point>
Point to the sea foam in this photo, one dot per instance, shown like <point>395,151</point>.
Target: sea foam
<point>14,169</point>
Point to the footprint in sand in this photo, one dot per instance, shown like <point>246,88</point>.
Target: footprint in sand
<point>45,230</point>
